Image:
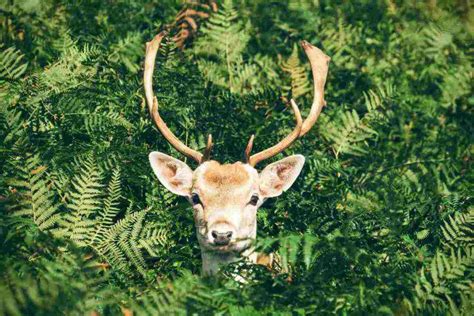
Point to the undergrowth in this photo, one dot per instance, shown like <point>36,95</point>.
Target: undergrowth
<point>380,221</point>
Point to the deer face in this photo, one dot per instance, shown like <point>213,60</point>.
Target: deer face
<point>225,197</point>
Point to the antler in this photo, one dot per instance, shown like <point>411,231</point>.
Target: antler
<point>282,145</point>
<point>151,51</point>
<point>319,67</point>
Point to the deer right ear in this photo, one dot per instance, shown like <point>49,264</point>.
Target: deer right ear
<point>174,174</point>
<point>278,177</point>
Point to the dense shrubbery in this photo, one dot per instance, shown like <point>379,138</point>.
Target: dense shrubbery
<point>380,221</point>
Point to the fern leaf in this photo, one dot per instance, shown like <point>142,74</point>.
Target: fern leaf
<point>11,64</point>
<point>154,238</point>
<point>84,201</point>
<point>299,83</point>
<point>38,201</point>
<point>110,208</point>
<point>223,42</point>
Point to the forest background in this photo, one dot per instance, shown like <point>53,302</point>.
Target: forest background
<point>379,222</point>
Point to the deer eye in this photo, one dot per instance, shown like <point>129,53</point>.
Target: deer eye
<point>195,198</point>
<point>254,200</point>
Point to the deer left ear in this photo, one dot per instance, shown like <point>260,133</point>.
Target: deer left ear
<point>174,174</point>
<point>279,176</point>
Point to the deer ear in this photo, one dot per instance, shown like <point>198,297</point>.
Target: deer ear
<point>279,176</point>
<point>174,174</point>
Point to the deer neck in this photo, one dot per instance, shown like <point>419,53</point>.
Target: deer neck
<point>212,261</point>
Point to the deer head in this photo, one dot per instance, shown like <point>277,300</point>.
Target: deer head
<point>225,197</point>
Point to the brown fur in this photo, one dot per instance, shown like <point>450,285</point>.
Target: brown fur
<point>265,260</point>
<point>218,222</point>
<point>226,175</point>
<point>223,186</point>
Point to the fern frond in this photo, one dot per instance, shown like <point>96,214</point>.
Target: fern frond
<point>128,51</point>
<point>130,245</point>
<point>101,121</point>
<point>83,201</point>
<point>221,50</point>
<point>154,238</point>
<point>183,296</point>
<point>37,200</point>
<point>292,250</point>
<point>458,229</point>
<point>12,66</point>
<point>299,83</point>
<point>437,40</point>
<point>68,73</point>
<point>110,209</point>
<point>445,277</point>
<point>188,19</point>
<point>349,135</point>
<point>119,244</point>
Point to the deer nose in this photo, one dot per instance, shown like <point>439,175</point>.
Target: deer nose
<point>221,238</point>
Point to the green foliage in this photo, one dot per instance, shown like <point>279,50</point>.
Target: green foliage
<point>11,64</point>
<point>221,51</point>
<point>458,229</point>
<point>380,221</point>
<point>36,198</point>
<point>299,83</point>
<point>349,132</point>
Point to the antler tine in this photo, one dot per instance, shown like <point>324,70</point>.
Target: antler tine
<point>319,67</point>
<point>282,145</point>
<point>151,51</point>
<point>207,151</point>
<point>248,149</point>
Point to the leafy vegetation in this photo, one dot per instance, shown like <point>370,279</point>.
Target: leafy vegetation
<point>380,221</point>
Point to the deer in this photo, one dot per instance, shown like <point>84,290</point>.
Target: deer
<point>225,197</point>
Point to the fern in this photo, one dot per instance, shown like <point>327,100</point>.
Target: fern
<point>446,276</point>
<point>65,42</point>
<point>154,238</point>
<point>130,244</point>
<point>349,134</point>
<point>36,200</point>
<point>188,19</point>
<point>455,85</point>
<point>299,83</point>
<point>59,282</point>
<point>338,41</point>
<point>128,52</point>
<point>437,40</point>
<point>224,40</point>
<point>117,245</point>
<point>291,250</point>
<point>101,121</point>
<point>93,222</point>
<point>69,72</point>
<point>368,202</point>
<point>185,295</point>
<point>378,222</point>
<point>110,208</point>
<point>378,100</point>
<point>83,202</point>
<point>458,229</point>
<point>11,65</point>
<point>15,135</point>
<point>422,234</point>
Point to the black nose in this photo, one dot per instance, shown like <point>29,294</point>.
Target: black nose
<point>221,239</point>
